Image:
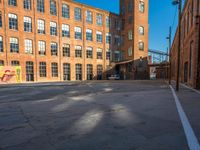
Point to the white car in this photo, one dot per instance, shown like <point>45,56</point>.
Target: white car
<point>114,77</point>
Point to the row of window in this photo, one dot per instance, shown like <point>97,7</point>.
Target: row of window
<point>28,46</point>
<point>13,24</point>
<point>65,11</point>
<point>54,70</point>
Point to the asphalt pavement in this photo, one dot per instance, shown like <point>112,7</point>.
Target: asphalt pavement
<point>96,115</point>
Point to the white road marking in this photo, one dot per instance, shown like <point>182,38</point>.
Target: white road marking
<point>190,88</point>
<point>189,133</point>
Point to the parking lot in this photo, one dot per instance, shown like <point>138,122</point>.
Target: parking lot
<point>104,115</point>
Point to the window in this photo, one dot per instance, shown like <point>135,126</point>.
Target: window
<point>78,51</point>
<point>54,47</point>
<point>65,30</point>
<point>77,13</point>
<point>99,36</point>
<point>43,69</point>
<point>89,16</point>
<point>13,23</point>
<point>141,6</point>
<point>27,24</point>
<point>141,46</point>
<point>130,51</point>
<point>78,33</point>
<point>117,24</point>
<point>89,72</point>
<point>40,5</point>
<point>66,50</point>
<point>66,71</point>
<point>53,28</point>
<point>99,72</point>
<point>130,6</point>
<point>65,11</point>
<point>108,54</point>
<point>99,53</point>
<point>130,19</point>
<point>15,63</point>
<point>1,63</point>
<point>28,46</point>
<point>12,2</point>
<point>89,35</point>
<point>108,38</point>
<point>0,20</point>
<point>130,35</point>
<point>54,69</point>
<point>27,4</point>
<point>122,10</point>
<point>1,44</point>
<point>53,10</point>
<point>14,45</point>
<point>108,22</point>
<point>141,30</point>
<point>117,56</point>
<point>29,71</point>
<point>89,52</point>
<point>41,26</point>
<point>99,19</point>
<point>78,72</point>
<point>117,40</point>
<point>42,47</point>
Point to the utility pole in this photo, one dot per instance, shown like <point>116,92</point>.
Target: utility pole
<point>179,3</point>
<point>169,53</point>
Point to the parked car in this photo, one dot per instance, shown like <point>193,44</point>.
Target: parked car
<point>114,77</point>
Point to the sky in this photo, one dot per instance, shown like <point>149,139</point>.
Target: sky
<point>162,14</point>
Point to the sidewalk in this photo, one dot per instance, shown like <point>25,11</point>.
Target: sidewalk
<point>190,101</point>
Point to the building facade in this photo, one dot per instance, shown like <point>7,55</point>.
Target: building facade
<point>190,45</point>
<point>58,40</point>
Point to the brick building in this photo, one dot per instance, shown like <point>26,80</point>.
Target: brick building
<point>57,40</point>
<point>190,45</point>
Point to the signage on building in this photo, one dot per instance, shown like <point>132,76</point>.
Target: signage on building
<point>10,74</point>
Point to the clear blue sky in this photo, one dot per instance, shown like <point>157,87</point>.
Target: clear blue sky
<point>161,16</point>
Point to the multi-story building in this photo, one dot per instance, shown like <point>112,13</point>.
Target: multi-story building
<point>190,45</point>
<point>57,40</point>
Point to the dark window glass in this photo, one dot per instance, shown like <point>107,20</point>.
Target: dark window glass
<point>54,69</point>
<point>65,11</point>
<point>1,63</point>
<point>12,2</point>
<point>78,51</point>
<point>77,13</point>
<point>53,9</point>
<point>99,72</point>
<point>66,71</point>
<point>53,28</point>
<point>66,50</point>
<point>78,72</point>
<point>27,24</point>
<point>0,19</point>
<point>43,70</point>
<point>29,71</point>
<point>89,52</point>
<point>27,4</point>
<point>89,72</point>
<point>54,49</point>
<point>14,45</point>
<point>1,44</point>
<point>40,5</point>
<point>13,23</point>
<point>15,63</point>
